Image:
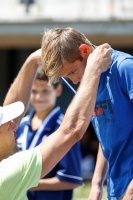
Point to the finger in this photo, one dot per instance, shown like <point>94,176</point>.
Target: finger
<point>106,45</point>
<point>110,50</point>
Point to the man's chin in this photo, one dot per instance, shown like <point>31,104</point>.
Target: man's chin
<point>16,149</point>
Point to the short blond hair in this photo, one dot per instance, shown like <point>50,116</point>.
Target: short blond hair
<point>60,46</point>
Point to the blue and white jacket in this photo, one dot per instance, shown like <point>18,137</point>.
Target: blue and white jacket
<point>69,167</point>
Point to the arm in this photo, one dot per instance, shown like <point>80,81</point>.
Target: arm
<point>68,175</point>
<point>79,112</point>
<point>98,177</point>
<point>21,88</point>
<point>129,192</point>
<point>54,184</point>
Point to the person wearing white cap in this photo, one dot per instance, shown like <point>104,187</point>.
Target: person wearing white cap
<point>21,171</point>
<point>8,146</point>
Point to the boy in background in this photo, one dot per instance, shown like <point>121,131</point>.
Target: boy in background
<point>43,120</point>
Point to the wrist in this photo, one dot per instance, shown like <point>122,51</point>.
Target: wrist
<point>93,71</point>
<point>35,59</point>
<point>97,182</point>
<point>32,62</point>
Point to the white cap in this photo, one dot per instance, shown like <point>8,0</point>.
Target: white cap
<point>11,111</point>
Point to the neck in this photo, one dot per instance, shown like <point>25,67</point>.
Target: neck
<point>5,154</point>
<point>41,115</point>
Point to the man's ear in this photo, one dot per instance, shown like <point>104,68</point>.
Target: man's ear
<point>85,50</point>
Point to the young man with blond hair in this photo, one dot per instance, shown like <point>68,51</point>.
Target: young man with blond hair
<point>21,171</point>
<point>113,103</point>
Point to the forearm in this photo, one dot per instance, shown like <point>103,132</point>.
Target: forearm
<point>54,184</point>
<point>98,177</point>
<point>21,87</point>
<point>100,169</point>
<point>82,106</point>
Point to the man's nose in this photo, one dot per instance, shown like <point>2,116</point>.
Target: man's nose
<point>13,126</point>
<point>75,80</point>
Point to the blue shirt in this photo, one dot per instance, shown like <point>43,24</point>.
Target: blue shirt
<point>68,169</point>
<point>113,122</point>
